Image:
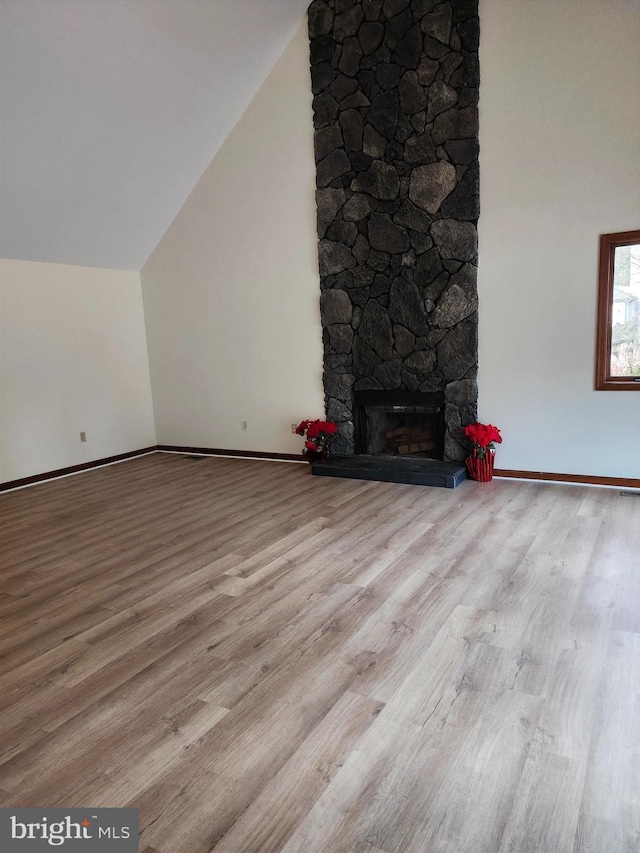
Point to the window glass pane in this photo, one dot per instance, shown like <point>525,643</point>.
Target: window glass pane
<point>625,315</point>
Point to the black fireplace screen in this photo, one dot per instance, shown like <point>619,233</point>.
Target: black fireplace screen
<point>393,423</point>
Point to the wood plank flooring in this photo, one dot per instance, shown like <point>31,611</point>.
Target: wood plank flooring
<point>267,662</point>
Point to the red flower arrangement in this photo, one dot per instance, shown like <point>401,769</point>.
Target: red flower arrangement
<point>483,437</point>
<point>318,434</point>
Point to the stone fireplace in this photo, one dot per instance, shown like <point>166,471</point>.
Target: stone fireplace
<point>395,86</point>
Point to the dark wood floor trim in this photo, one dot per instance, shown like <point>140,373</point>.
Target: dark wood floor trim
<point>587,479</point>
<point>73,469</point>
<point>213,451</point>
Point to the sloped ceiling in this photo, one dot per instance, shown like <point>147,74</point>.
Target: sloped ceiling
<point>110,110</point>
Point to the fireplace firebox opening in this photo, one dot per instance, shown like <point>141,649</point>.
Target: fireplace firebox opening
<point>399,423</point>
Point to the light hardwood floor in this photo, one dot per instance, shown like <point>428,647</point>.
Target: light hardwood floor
<point>262,660</point>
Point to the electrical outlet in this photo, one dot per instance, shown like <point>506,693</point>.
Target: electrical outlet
<point>243,425</point>
<point>294,427</point>
<point>83,436</point>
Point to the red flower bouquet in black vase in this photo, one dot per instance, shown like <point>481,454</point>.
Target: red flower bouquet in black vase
<point>484,438</point>
<point>318,435</point>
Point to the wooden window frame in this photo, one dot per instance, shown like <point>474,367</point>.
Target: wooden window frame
<point>604,380</point>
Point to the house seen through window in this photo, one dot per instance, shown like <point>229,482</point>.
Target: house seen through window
<point>625,316</point>
<point>618,339</point>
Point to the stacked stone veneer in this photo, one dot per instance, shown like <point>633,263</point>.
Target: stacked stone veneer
<point>395,86</point>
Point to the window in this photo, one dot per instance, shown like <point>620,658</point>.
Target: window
<point>618,343</point>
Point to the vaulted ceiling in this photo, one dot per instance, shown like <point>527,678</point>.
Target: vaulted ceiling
<point>110,110</point>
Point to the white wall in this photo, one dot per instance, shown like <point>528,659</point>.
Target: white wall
<point>231,292</point>
<point>112,109</point>
<point>560,164</point>
<point>72,357</point>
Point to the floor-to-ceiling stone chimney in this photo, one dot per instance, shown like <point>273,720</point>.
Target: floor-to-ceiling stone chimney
<point>395,86</point>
